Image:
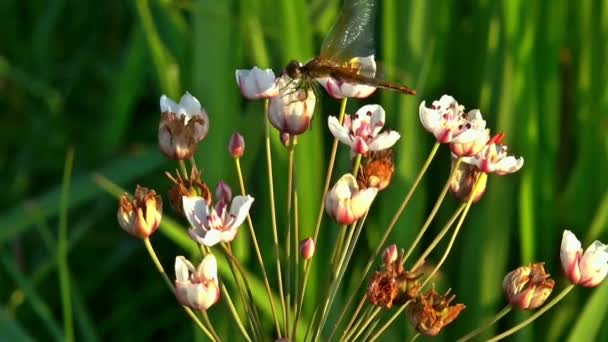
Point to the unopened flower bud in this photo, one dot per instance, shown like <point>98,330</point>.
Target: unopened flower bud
<point>141,215</point>
<point>293,109</point>
<point>390,255</point>
<point>528,287</point>
<point>284,136</point>
<point>236,146</point>
<point>307,248</point>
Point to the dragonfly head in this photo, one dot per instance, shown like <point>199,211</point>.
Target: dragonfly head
<point>294,69</point>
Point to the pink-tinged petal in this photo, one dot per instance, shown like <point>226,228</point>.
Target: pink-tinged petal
<point>208,267</point>
<point>357,91</point>
<point>594,264</point>
<point>343,213</point>
<point>223,192</point>
<point>429,118</point>
<point>361,201</point>
<point>384,140</point>
<point>508,165</point>
<point>376,115</point>
<point>338,131</point>
<point>239,209</point>
<point>569,254</point>
<point>183,268</point>
<point>297,124</point>
<point>257,83</point>
<point>471,135</point>
<point>332,86</point>
<point>359,146</point>
<point>196,211</point>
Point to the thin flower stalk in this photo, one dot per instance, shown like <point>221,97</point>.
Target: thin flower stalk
<point>465,211</point>
<point>297,260</point>
<point>247,299</point>
<point>273,214</point>
<point>257,249</point>
<point>330,168</point>
<point>364,316</point>
<point>537,314</point>
<point>491,322</point>
<point>341,268</point>
<point>235,315</point>
<point>366,322</point>
<point>169,283</point>
<point>389,322</point>
<point>432,214</point>
<point>290,187</point>
<point>387,233</point>
<point>439,236</point>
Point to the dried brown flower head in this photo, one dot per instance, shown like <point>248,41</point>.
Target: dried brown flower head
<point>393,285</point>
<point>140,216</point>
<point>377,170</point>
<point>189,186</point>
<point>430,312</point>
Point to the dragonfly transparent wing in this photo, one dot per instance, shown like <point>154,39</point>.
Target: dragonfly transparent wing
<point>353,33</point>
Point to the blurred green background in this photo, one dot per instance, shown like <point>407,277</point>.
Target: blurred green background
<point>88,76</point>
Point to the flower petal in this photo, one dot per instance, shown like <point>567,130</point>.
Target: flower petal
<point>183,268</point>
<point>239,209</point>
<point>338,130</point>
<point>208,267</point>
<point>384,140</point>
<point>167,105</point>
<point>190,104</point>
<point>196,211</point>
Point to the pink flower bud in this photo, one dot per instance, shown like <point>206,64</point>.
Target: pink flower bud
<point>345,203</point>
<point>307,248</point>
<point>236,146</point>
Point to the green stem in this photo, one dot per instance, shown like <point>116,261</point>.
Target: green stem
<point>247,300</point>
<point>161,270</point>
<point>537,314</point>
<point>182,167</point>
<point>388,231</point>
<point>288,265</point>
<point>62,250</point>
<point>330,168</point>
<point>365,324</point>
<point>479,330</point>
<point>257,249</point>
<point>439,236</point>
<point>350,244</point>
<point>432,214</point>
<point>234,313</point>
<point>389,322</point>
<point>273,214</point>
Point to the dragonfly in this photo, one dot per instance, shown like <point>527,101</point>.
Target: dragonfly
<point>350,40</point>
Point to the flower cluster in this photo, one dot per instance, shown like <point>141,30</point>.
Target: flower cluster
<point>214,219</point>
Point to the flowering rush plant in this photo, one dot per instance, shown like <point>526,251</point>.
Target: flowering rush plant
<point>396,280</point>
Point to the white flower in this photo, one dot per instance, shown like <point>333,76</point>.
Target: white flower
<point>587,269</point>
<point>211,225</point>
<point>198,287</point>
<point>446,120</point>
<point>493,158</point>
<point>362,133</point>
<point>182,126</point>
<point>257,83</point>
<point>338,88</point>
<point>345,203</point>
<point>292,110</point>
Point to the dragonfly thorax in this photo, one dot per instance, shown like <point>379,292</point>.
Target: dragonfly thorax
<point>294,69</point>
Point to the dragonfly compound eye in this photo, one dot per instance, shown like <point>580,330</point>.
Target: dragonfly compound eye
<point>293,69</point>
